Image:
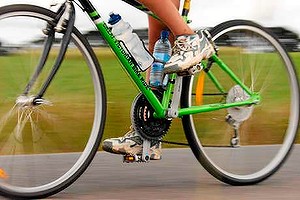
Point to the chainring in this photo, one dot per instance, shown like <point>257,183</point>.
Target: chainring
<point>143,120</point>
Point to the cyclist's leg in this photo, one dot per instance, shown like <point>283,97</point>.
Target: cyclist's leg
<point>154,31</point>
<point>189,49</point>
<point>167,11</point>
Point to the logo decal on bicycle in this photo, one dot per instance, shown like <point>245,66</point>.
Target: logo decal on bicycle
<point>125,53</point>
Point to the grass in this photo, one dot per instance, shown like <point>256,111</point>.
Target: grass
<point>72,84</point>
<point>121,82</point>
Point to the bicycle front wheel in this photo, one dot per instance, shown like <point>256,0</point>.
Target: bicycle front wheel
<point>244,145</point>
<point>44,147</point>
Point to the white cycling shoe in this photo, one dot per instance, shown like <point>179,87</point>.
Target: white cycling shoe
<point>188,51</point>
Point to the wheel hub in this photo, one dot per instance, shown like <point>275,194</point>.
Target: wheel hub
<point>241,113</point>
<point>24,101</point>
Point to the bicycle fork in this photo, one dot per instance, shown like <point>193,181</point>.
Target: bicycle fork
<point>63,23</point>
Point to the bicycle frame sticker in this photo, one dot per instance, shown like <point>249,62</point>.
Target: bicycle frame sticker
<point>130,66</point>
<point>97,18</point>
<point>118,47</point>
<point>126,55</point>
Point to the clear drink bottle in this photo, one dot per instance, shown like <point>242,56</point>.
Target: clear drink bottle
<point>162,53</point>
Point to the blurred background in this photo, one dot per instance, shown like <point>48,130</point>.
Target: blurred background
<point>281,17</point>
<point>204,13</point>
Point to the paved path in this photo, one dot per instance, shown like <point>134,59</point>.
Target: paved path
<point>177,176</point>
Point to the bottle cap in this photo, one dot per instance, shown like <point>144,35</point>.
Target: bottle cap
<point>164,34</point>
<point>114,18</point>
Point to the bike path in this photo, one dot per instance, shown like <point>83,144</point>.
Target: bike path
<point>177,176</point>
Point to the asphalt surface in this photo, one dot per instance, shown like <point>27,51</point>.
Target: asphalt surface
<point>177,176</point>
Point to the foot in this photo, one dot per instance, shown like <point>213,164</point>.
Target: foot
<point>188,51</point>
<point>131,143</point>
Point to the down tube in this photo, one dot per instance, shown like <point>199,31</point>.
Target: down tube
<point>127,63</point>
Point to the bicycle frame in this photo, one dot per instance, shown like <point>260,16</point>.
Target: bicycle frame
<point>130,66</point>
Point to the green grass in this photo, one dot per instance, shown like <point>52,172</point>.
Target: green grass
<point>117,80</point>
<point>73,79</point>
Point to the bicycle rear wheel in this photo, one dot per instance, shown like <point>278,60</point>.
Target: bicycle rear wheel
<point>244,145</point>
<point>46,147</point>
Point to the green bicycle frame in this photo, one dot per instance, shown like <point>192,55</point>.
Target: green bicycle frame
<point>132,69</point>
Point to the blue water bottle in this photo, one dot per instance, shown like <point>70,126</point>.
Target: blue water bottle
<point>162,53</point>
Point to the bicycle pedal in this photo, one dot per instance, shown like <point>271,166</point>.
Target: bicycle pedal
<point>195,69</point>
<point>129,158</point>
<point>191,71</point>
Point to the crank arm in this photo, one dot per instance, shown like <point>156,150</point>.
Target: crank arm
<point>146,150</point>
<point>173,110</point>
<point>144,157</point>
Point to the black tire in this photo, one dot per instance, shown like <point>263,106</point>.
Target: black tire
<point>267,137</point>
<point>38,142</point>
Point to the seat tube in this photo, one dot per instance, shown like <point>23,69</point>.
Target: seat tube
<point>186,10</point>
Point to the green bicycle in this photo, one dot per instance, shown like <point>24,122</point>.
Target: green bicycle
<point>239,109</point>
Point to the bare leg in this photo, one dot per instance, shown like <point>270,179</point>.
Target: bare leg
<point>155,28</point>
<point>190,48</point>
<point>167,11</point>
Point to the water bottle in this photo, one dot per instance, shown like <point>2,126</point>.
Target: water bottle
<point>123,31</point>
<point>162,53</point>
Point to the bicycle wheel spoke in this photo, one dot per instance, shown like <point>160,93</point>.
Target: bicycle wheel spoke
<point>45,141</point>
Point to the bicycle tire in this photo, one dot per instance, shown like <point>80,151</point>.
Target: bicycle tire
<point>37,151</point>
<point>267,137</point>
